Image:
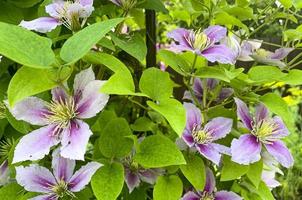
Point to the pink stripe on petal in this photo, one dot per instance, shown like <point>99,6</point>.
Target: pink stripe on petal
<point>75,139</point>
<point>216,33</point>
<point>246,149</point>
<point>80,82</point>
<point>36,144</point>
<point>191,196</point>
<point>243,113</point>
<point>219,127</point>
<point>208,151</point>
<point>281,153</point>
<point>261,112</point>
<point>35,178</point>
<point>193,116</point>
<point>59,94</point>
<point>210,181</point>
<point>62,167</point>
<point>132,180</point>
<point>82,177</point>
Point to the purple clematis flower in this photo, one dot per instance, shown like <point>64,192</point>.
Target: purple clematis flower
<point>209,191</point>
<point>4,173</point>
<point>212,85</point>
<point>251,51</point>
<point>72,14</point>
<point>61,118</point>
<point>203,137</point>
<point>264,131</point>
<point>61,183</point>
<point>204,43</point>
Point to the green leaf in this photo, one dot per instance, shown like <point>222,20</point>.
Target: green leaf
<point>25,47</point>
<point>265,192</point>
<point>278,106</point>
<point>294,77</point>
<point>24,3</point>
<point>194,171</point>
<point>121,82</point>
<point>223,18</point>
<point>156,5</point>
<point>231,170</point>
<point>156,84</point>
<point>20,126</point>
<point>114,141</point>
<point>81,42</point>
<point>254,173</point>
<point>212,72</point>
<point>286,3</point>
<point>158,151</point>
<point>10,13</point>
<point>10,191</point>
<point>143,124</point>
<point>173,111</point>
<point>135,46</point>
<point>265,74</point>
<point>168,188</point>
<point>108,181</point>
<point>28,81</point>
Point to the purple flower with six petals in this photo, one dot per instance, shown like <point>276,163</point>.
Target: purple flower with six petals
<point>208,193</point>
<point>264,131</point>
<point>72,14</point>
<point>61,118</point>
<point>62,182</point>
<point>204,43</point>
<point>202,137</point>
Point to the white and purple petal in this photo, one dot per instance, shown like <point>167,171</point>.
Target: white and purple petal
<point>193,116</point>
<point>62,167</point>
<point>82,177</point>
<point>32,110</point>
<point>210,181</point>
<point>225,195</point>
<point>281,53</point>
<point>92,100</point>
<point>215,33</point>
<point>36,144</point>
<point>149,175</point>
<point>280,152</point>
<point>244,114</point>
<point>45,197</point>
<point>42,24</point>
<point>261,113</point>
<point>55,9</point>
<point>74,140</point>
<point>280,130</point>
<point>191,196</point>
<point>209,152</point>
<point>180,35</point>
<point>59,94</point>
<point>246,149</point>
<point>219,53</point>
<point>132,179</point>
<point>218,127</point>
<point>81,80</point>
<point>35,178</point>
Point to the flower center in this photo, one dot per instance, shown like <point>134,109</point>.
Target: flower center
<point>61,112</point>
<point>264,129</point>
<point>262,52</point>
<point>207,196</point>
<point>200,136</point>
<point>60,189</point>
<point>199,40</point>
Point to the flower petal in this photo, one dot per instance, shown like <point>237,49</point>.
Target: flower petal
<point>31,110</point>
<point>188,138</point>
<point>86,2</point>
<point>35,178</point>
<point>59,94</point>
<point>45,197</point>
<point>243,113</point>
<point>83,176</point>
<point>281,53</point>
<point>224,94</point>
<point>4,173</point>
<point>246,149</point>
<point>281,153</point>
<point>280,131</point>
<point>218,127</point>
<point>210,181</point>
<point>36,144</point>
<point>75,139</point>
<point>132,180</point>
<point>268,177</point>
<point>42,24</point>
<point>210,152</point>
<point>180,35</point>
<point>54,9</point>
<point>190,196</point>
<point>193,115</point>
<point>81,80</point>
<point>215,33</point>
<point>225,195</point>
<point>149,175</point>
<point>62,167</point>
<point>261,112</point>
<point>92,101</point>
<point>219,53</point>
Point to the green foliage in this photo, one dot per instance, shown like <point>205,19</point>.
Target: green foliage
<point>167,188</point>
<point>231,170</point>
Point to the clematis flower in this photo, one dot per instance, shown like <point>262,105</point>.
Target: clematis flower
<point>61,119</point>
<point>4,173</point>
<point>204,43</point>
<point>209,192</point>
<point>203,137</point>
<point>269,171</point>
<point>251,51</point>
<point>61,183</point>
<point>212,85</point>
<point>125,4</point>
<point>72,14</point>
<point>263,131</point>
